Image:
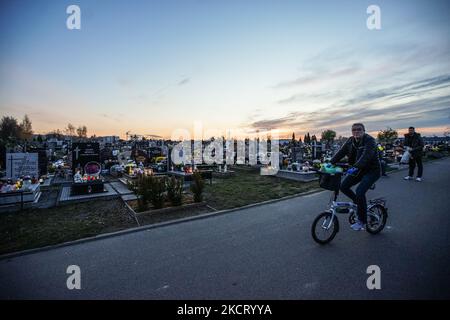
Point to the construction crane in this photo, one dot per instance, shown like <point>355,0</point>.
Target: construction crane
<point>134,136</point>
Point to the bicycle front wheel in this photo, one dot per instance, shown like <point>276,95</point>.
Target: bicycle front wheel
<point>324,228</point>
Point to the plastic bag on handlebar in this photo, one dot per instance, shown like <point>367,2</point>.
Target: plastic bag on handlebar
<point>329,168</point>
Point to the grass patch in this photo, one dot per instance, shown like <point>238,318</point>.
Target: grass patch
<point>248,186</point>
<point>36,228</point>
<point>187,198</point>
<point>151,218</point>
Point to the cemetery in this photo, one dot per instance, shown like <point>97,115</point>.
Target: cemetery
<point>75,188</point>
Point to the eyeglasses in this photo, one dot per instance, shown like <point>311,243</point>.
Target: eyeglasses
<point>359,129</point>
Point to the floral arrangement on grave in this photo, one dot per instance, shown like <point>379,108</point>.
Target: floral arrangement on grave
<point>26,183</point>
<point>23,184</point>
<point>148,171</point>
<point>9,186</point>
<point>316,164</point>
<point>306,167</point>
<point>91,173</point>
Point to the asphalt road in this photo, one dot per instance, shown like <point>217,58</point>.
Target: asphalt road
<point>264,252</point>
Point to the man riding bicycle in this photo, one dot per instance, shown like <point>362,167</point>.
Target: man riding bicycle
<point>362,153</point>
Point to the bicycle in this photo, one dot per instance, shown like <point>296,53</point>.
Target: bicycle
<point>328,222</point>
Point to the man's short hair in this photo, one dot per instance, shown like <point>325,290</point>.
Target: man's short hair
<point>412,128</point>
<point>359,125</point>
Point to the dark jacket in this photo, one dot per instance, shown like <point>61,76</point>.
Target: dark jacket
<point>362,155</point>
<point>415,142</point>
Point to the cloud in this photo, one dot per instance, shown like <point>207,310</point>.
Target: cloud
<point>124,82</point>
<point>159,94</point>
<point>317,76</point>
<point>433,109</point>
<point>414,88</point>
<point>110,117</point>
<point>184,81</point>
<point>422,108</point>
<point>349,70</point>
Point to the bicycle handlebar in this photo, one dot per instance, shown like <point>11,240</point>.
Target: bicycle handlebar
<point>343,165</point>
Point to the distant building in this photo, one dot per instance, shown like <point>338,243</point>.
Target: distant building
<point>108,139</point>
<point>429,140</point>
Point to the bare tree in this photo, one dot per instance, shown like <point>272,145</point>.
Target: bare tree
<point>447,132</point>
<point>26,130</point>
<point>70,130</point>
<point>82,132</point>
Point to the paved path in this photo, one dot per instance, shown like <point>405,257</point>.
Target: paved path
<point>264,252</point>
<point>124,192</point>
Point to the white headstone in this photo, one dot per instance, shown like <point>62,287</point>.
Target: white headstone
<point>22,164</point>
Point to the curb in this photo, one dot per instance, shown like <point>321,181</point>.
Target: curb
<point>151,226</point>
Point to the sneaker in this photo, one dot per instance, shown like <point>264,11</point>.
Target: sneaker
<point>358,226</point>
<point>408,178</point>
<point>418,179</point>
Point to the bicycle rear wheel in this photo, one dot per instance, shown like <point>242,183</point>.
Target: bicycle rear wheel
<point>376,219</point>
<point>323,229</point>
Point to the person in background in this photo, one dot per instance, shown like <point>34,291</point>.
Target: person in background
<point>414,144</point>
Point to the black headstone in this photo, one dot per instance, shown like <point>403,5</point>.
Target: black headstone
<point>106,154</point>
<point>155,152</point>
<point>84,152</point>
<point>42,161</point>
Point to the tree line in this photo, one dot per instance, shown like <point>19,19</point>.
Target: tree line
<point>13,132</point>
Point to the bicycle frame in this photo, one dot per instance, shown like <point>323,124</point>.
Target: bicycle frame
<point>350,205</point>
<point>340,204</point>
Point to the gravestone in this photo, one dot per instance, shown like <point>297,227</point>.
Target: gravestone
<point>86,158</point>
<point>22,164</point>
<point>106,154</point>
<point>140,156</point>
<point>297,154</point>
<point>154,152</point>
<point>84,152</point>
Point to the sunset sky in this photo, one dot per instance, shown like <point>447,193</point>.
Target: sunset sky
<point>150,67</point>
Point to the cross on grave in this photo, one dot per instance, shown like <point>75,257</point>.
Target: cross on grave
<point>11,160</point>
<point>76,152</point>
<point>315,149</point>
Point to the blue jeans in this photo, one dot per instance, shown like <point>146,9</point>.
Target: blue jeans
<point>359,198</point>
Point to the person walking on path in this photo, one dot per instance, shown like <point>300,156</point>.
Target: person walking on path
<point>414,145</point>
